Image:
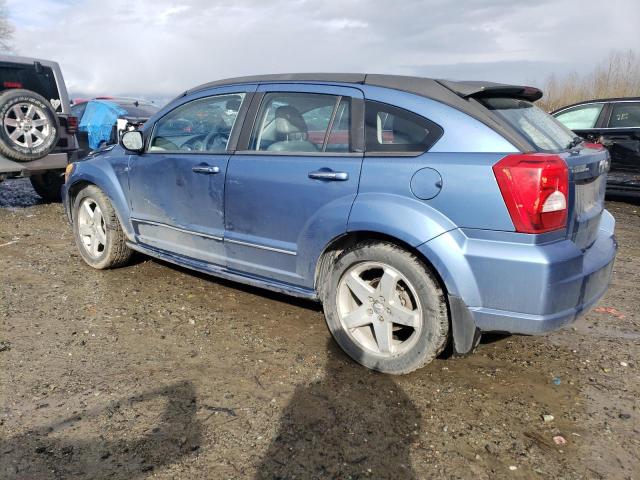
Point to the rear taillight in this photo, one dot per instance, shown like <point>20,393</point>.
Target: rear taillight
<point>72,124</point>
<point>12,84</point>
<point>535,189</point>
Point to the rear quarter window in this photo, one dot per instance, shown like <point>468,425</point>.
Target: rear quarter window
<point>391,129</point>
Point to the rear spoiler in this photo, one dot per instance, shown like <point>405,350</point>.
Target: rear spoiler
<point>490,89</point>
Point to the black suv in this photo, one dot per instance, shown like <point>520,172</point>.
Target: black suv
<point>37,137</point>
<point>615,123</point>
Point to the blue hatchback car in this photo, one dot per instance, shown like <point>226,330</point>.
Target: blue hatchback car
<point>417,211</point>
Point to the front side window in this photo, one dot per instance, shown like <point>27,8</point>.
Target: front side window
<point>625,115</point>
<point>302,123</point>
<point>203,125</point>
<point>391,129</point>
<point>582,117</point>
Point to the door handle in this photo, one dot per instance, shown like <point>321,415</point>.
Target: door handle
<point>329,175</point>
<point>206,169</point>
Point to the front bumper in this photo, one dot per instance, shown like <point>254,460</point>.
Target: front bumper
<point>530,288</point>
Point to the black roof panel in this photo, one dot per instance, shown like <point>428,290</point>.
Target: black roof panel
<point>418,85</point>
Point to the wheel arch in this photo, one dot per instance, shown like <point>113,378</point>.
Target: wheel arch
<point>348,239</point>
<point>113,193</point>
<point>464,333</point>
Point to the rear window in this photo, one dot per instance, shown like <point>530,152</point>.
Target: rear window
<point>625,115</point>
<point>14,75</point>
<point>541,129</point>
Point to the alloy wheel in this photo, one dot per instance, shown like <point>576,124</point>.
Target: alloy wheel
<point>27,125</point>
<point>379,308</point>
<point>91,227</point>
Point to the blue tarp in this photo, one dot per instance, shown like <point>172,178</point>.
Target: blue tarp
<point>98,120</point>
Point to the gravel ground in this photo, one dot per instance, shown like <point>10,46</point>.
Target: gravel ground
<point>152,371</point>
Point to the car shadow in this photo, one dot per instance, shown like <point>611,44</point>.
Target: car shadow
<point>261,292</point>
<point>351,423</point>
<point>18,193</point>
<point>128,439</point>
<point>632,198</point>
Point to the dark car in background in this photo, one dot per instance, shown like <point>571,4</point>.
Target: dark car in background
<point>615,123</point>
<point>103,119</point>
<point>37,135</point>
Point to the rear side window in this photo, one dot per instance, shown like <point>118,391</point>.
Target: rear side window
<point>625,115</point>
<point>391,130</point>
<point>297,122</point>
<point>582,117</point>
<point>26,77</point>
<point>541,129</point>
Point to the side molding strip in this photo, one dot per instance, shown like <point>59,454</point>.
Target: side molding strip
<point>263,247</point>
<point>183,230</point>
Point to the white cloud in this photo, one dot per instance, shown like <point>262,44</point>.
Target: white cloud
<point>164,16</point>
<point>157,48</point>
<point>343,23</point>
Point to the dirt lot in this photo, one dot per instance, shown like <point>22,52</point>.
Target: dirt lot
<point>154,371</point>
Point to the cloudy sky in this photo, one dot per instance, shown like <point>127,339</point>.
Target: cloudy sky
<point>157,48</point>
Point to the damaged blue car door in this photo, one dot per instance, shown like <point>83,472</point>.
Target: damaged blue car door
<point>177,185</point>
<point>291,184</point>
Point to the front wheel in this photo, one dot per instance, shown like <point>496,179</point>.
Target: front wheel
<point>97,230</point>
<point>385,308</point>
<point>48,185</point>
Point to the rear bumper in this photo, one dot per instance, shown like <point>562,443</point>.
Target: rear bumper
<point>53,161</point>
<point>529,288</point>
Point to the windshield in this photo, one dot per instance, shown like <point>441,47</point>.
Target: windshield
<point>540,128</point>
<point>141,110</point>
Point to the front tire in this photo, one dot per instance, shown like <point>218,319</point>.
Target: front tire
<point>385,308</point>
<point>48,185</point>
<point>97,230</point>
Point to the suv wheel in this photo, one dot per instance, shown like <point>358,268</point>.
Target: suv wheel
<point>48,185</point>
<point>385,309</point>
<point>97,230</point>
<point>30,126</point>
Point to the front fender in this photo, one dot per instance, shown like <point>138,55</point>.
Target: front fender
<point>109,176</point>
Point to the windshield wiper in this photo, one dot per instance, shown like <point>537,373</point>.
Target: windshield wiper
<point>575,142</point>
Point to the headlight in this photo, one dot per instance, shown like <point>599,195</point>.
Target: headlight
<point>68,171</point>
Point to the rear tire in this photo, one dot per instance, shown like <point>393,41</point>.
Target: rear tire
<point>97,230</point>
<point>48,185</point>
<point>385,308</point>
<point>30,126</point>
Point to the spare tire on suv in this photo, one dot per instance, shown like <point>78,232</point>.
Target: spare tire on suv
<point>30,127</point>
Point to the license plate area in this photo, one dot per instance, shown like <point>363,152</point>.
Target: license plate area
<point>590,197</point>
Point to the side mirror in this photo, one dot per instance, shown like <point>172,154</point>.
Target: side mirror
<point>132,141</point>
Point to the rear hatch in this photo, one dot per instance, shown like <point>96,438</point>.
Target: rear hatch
<point>587,183</point>
<point>588,164</point>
